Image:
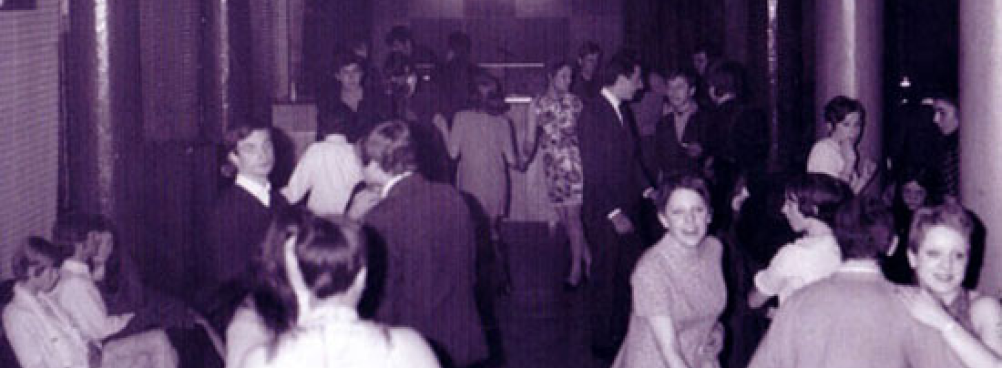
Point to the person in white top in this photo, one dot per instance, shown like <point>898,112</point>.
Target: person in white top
<point>811,201</point>
<point>838,154</point>
<point>78,295</point>
<point>328,171</point>
<point>316,270</point>
<point>42,333</point>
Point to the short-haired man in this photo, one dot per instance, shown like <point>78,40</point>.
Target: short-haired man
<point>587,81</point>
<point>680,133</point>
<point>852,318</point>
<point>400,40</point>
<point>614,183</point>
<point>946,118</point>
<point>427,234</point>
<point>739,144</point>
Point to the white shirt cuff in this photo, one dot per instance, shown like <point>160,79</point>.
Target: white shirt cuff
<point>614,213</point>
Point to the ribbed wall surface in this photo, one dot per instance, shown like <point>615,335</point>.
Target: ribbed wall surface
<point>169,53</point>
<point>29,125</point>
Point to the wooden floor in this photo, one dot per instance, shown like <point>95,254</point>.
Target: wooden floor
<point>540,324</point>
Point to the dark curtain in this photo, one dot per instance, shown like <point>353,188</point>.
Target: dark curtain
<point>665,32</point>
<point>330,26</point>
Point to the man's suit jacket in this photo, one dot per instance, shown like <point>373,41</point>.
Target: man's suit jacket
<point>672,156</point>
<point>237,226</point>
<point>610,158</point>
<point>426,233</point>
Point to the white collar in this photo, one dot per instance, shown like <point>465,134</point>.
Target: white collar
<point>393,181</point>
<point>860,266</point>
<point>611,97</point>
<point>76,267</point>
<point>24,297</point>
<point>335,138</point>
<point>256,189</point>
<point>615,101</point>
<point>328,313</point>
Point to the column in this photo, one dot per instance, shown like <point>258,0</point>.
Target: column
<point>849,55</point>
<point>981,131</point>
<point>104,152</point>
<point>226,60</point>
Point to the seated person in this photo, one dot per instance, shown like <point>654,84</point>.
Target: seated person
<point>304,308</point>
<point>42,333</point>
<point>121,292</point>
<point>77,290</point>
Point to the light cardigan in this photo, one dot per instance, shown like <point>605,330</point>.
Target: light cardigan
<point>77,294</point>
<point>826,158</point>
<point>42,337</point>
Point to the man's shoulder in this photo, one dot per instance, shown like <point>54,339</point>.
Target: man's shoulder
<point>840,291</point>
<point>71,281</point>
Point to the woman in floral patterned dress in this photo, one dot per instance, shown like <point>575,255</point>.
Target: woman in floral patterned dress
<point>552,128</point>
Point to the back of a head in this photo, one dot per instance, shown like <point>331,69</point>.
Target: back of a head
<point>487,94</point>
<point>72,228</point>
<point>391,146</point>
<point>398,34</point>
<point>864,229</point>
<point>726,78</point>
<point>619,65</point>
<point>329,254</point>
<point>460,44</point>
<point>818,195</point>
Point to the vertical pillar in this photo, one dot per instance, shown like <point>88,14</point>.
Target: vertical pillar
<point>849,49</point>
<point>104,134</point>
<point>226,61</point>
<point>980,131</point>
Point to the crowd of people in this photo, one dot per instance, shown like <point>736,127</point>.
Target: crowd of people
<point>691,252</point>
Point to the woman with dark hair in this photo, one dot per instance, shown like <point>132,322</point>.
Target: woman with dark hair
<point>481,139</point>
<point>911,194</point>
<point>678,286</point>
<point>838,154</point>
<point>312,273</point>
<point>552,128</point>
<point>811,201</point>
<point>938,248</point>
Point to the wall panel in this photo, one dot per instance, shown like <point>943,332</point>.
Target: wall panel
<point>29,125</point>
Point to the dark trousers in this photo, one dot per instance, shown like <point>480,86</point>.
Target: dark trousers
<point>613,260</point>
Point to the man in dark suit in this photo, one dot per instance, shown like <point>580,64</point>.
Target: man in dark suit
<point>427,234</point>
<point>614,182</point>
<point>238,221</point>
<point>739,144</point>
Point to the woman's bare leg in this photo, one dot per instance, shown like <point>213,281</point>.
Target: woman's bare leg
<point>570,216</point>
